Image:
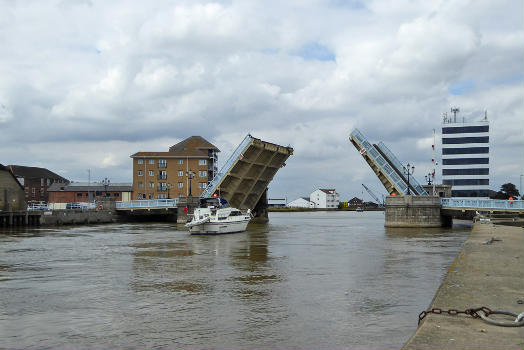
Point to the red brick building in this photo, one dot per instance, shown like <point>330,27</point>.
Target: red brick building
<point>36,181</point>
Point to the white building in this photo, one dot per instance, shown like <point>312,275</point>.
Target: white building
<point>325,198</point>
<point>465,156</point>
<point>302,202</point>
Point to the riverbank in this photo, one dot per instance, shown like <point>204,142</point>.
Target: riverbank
<point>489,271</point>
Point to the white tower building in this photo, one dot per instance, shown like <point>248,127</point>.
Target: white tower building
<point>465,156</point>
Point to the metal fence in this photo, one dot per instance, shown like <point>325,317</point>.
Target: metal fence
<point>147,203</point>
<point>387,170</point>
<point>237,154</point>
<point>482,203</point>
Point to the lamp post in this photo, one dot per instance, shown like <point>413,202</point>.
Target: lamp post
<point>521,194</point>
<point>169,185</point>
<point>190,174</point>
<point>428,178</point>
<point>106,183</point>
<point>408,172</point>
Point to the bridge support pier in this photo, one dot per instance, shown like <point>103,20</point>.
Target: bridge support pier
<point>415,211</point>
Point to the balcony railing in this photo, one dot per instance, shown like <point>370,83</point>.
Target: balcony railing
<point>482,203</point>
<point>147,203</point>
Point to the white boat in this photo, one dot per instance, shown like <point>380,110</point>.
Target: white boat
<point>214,216</point>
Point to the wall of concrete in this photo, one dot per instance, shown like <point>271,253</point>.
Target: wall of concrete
<point>414,211</point>
<point>77,217</point>
<point>186,202</point>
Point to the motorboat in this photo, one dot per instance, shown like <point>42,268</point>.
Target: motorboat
<point>215,216</point>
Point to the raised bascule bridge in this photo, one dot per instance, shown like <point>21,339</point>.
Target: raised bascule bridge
<point>409,204</point>
<point>242,181</point>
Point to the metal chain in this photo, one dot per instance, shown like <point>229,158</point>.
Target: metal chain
<point>471,312</point>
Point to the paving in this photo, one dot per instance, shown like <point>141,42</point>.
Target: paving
<point>489,271</point>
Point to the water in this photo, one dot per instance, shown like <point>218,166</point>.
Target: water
<point>322,280</point>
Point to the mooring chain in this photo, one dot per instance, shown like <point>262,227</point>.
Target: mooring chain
<point>480,312</point>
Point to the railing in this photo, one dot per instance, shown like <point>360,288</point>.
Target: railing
<point>418,188</point>
<point>390,173</point>
<point>38,206</point>
<point>482,203</point>
<point>227,166</point>
<point>147,203</point>
<point>61,206</point>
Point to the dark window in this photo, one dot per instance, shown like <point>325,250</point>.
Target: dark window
<point>466,150</point>
<point>470,193</point>
<point>465,129</point>
<point>461,140</point>
<point>466,182</point>
<point>116,194</point>
<point>474,171</point>
<point>465,161</point>
<point>79,194</point>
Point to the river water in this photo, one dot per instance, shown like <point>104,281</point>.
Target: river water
<point>318,280</point>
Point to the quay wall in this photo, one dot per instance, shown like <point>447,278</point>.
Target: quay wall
<point>488,271</point>
<point>77,217</point>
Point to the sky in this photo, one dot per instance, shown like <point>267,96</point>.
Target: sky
<point>84,83</point>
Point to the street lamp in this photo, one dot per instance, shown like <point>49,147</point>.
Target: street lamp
<point>190,174</point>
<point>408,172</point>
<point>169,185</point>
<point>106,183</point>
<point>428,178</point>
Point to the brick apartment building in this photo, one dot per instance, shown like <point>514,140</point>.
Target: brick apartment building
<point>187,167</point>
<point>36,181</point>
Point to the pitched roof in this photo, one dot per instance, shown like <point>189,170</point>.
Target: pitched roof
<point>4,168</point>
<point>194,146</point>
<point>30,172</point>
<point>328,191</point>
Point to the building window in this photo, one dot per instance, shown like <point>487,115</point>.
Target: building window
<point>79,194</point>
<point>139,196</point>
<point>162,175</point>
<point>180,173</point>
<point>180,185</point>
<point>41,182</point>
<point>162,163</point>
<point>151,196</point>
<point>151,161</point>
<point>140,173</point>
<point>116,195</point>
<point>202,185</point>
<point>151,185</point>
<point>151,173</point>
<point>162,186</point>
<point>48,182</point>
<point>140,161</point>
<point>180,161</point>
<point>162,196</point>
<point>202,162</point>
<point>202,173</point>
<point>140,185</point>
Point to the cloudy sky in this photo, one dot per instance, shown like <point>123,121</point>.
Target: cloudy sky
<point>84,84</point>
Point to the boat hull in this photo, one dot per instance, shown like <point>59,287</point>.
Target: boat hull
<point>217,228</point>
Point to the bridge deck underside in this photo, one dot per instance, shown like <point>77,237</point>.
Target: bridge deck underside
<point>250,175</point>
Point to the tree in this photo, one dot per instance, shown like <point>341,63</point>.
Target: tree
<point>508,190</point>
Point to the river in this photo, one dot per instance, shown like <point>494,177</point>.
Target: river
<point>315,280</point>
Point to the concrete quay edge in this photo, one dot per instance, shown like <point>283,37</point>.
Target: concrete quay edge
<point>483,274</point>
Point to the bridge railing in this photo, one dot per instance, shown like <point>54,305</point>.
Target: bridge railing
<point>387,170</point>
<point>225,168</point>
<point>482,203</point>
<point>418,188</point>
<point>147,203</point>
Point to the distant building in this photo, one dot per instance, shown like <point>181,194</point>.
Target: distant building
<point>276,202</point>
<point>36,181</point>
<point>325,198</point>
<point>355,201</point>
<point>87,192</point>
<point>302,202</point>
<point>12,195</point>
<point>188,166</point>
<point>465,157</point>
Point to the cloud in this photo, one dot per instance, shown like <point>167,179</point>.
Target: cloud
<point>87,83</point>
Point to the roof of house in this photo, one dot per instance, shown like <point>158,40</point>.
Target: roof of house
<point>328,191</point>
<point>30,172</point>
<point>4,168</point>
<point>84,187</point>
<point>194,146</point>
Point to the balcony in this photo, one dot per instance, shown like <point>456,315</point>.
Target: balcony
<point>162,177</point>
